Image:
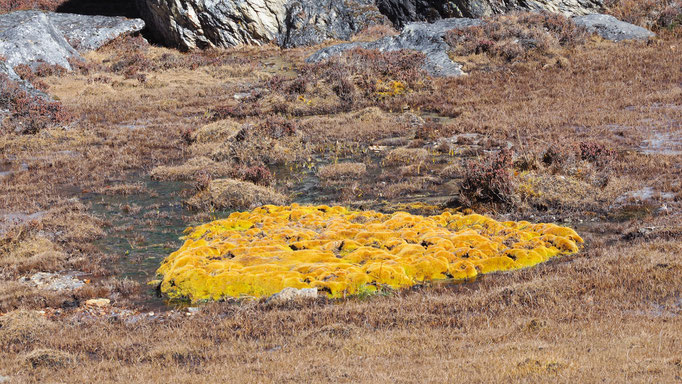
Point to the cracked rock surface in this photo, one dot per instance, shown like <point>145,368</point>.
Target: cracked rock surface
<point>190,24</point>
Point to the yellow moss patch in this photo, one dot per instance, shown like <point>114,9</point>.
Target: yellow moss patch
<point>344,252</point>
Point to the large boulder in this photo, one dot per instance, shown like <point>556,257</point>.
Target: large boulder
<point>28,37</point>
<point>88,33</point>
<point>402,12</point>
<point>427,38</point>
<point>311,22</point>
<point>31,37</point>
<point>610,28</point>
<point>191,24</point>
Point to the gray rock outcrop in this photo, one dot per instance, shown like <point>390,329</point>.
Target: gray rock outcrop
<point>311,22</point>
<point>30,37</point>
<point>427,38</point>
<point>610,28</point>
<point>402,12</point>
<point>190,24</point>
<point>88,33</point>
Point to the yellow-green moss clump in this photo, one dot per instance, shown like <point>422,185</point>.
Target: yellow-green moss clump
<point>344,252</point>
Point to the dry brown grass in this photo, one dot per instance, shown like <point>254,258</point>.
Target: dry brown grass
<point>234,194</point>
<point>48,358</point>
<point>360,126</point>
<point>33,254</point>
<point>664,16</point>
<point>21,328</point>
<point>192,169</point>
<point>342,170</point>
<point>407,156</point>
<point>610,313</point>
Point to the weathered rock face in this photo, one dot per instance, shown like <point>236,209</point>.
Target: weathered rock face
<point>402,12</point>
<point>87,33</point>
<point>311,22</point>
<point>611,28</point>
<point>191,24</point>
<point>29,37</point>
<point>423,37</point>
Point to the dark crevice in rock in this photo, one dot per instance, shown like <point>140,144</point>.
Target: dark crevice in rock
<point>126,8</point>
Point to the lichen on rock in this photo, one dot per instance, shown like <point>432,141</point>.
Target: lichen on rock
<point>344,252</point>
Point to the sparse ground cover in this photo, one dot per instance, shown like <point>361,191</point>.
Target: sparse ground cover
<point>585,135</point>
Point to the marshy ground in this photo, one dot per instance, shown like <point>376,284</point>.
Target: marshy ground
<point>580,132</point>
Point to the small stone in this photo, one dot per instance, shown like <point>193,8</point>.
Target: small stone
<point>241,95</point>
<point>4,379</point>
<point>98,303</point>
<point>54,281</point>
<point>288,294</point>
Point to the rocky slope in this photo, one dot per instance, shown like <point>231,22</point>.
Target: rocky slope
<point>191,24</point>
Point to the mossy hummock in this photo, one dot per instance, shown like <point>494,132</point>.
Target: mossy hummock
<point>345,252</point>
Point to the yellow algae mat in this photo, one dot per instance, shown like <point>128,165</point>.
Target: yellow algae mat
<point>345,252</point>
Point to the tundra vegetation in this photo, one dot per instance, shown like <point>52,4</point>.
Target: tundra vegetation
<point>551,125</point>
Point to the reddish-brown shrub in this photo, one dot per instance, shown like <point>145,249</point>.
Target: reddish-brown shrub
<point>257,174</point>
<point>489,179</point>
<point>511,36</point>
<point>41,70</point>
<point>7,6</point>
<point>654,14</point>
<point>595,152</point>
<point>277,127</point>
<point>44,70</point>
<point>28,114</point>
